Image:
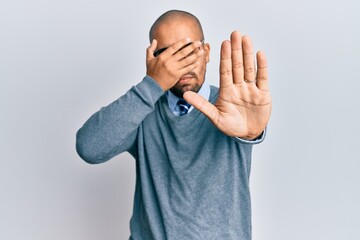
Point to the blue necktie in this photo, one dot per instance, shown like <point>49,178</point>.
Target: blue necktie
<point>183,106</point>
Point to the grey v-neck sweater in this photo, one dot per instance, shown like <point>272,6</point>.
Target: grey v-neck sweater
<point>192,181</point>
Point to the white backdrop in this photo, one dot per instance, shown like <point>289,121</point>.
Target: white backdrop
<point>61,60</point>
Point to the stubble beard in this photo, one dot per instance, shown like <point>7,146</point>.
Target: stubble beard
<point>180,90</point>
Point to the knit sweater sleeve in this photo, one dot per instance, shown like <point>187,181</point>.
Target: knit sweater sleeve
<point>257,140</point>
<point>113,129</point>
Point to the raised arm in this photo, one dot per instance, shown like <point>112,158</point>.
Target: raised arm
<point>113,128</point>
<point>244,104</point>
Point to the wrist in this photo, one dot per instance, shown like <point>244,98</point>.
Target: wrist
<point>252,135</point>
<point>162,84</point>
<point>157,82</point>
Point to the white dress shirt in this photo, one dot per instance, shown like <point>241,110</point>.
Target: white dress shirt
<point>173,99</point>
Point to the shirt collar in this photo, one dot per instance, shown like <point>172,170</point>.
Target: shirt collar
<point>173,99</point>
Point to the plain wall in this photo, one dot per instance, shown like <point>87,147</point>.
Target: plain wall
<point>61,60</point>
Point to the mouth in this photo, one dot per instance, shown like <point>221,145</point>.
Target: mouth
<point>185,78</point>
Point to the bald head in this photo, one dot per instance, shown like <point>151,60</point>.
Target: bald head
<point>174,16</point>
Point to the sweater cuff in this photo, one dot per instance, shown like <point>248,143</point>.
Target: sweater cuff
<point>257,140</point>
<point>149,89</point>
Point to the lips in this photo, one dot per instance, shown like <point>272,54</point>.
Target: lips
<point>185,79</point>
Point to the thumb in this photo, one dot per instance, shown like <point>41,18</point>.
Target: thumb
<point>151,49</point>
<point>202,105</point>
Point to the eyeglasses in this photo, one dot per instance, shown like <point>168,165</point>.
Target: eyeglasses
<point>159,51</point>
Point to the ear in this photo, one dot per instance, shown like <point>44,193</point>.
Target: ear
<point>207,52</point>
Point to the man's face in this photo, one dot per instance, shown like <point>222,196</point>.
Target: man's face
<point>167,34</point>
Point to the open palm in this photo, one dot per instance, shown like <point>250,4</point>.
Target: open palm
<point>244,104</point>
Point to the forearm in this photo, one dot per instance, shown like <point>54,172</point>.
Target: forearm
<point>113,128</point>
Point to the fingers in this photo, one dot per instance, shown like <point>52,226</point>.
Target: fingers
<point>262,71</point>
<point>166,68</point>
<point>187,50</point>
<point>249,63</point>
<point>237,57</point>
<point>226,77</point>
<point>188,57</point>
<point>176,48</point>
<point>192,58</point>
<point>188,68</point>
<point>238,65</point>
<point>183,53</point>
<point>151,49</point>
<point>202,105</point>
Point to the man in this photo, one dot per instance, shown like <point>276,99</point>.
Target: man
<point>192,162</point>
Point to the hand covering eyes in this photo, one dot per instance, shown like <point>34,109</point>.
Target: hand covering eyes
<point>159,51</point>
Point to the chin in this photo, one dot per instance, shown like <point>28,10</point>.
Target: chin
<point>179,91</point>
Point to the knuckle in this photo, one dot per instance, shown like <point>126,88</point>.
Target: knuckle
<point>166,64</point>
<point>263,67</point>
<point>249,70</point>
<point>225,72</point>
<point>163,60</point>
<point>261,78</point>
<point>238,65</point>
<point>160,58</point>
<point>249,53</point>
